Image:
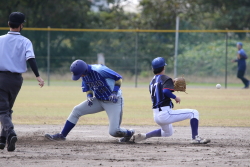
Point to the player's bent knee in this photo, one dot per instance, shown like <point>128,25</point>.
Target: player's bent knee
<point>195,114</point>
<point>75,115</point>
<point>77,111</point>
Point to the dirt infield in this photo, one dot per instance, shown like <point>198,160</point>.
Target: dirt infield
<point>92,146</point>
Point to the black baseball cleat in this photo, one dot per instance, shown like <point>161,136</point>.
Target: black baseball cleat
<point>2,142</point>
<point>12,139</point>
<point>58,137</point>
<point>126,139</point>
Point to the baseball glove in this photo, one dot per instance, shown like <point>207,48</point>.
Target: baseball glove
<point>180,84</point>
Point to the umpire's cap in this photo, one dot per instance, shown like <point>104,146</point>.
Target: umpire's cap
<point>158,62</point>
<point>17,18</point>
<point>78,68</point>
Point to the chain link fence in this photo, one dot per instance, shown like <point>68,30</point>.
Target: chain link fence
<point>203,56</point>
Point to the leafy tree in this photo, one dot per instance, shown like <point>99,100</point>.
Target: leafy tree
<point>119,48</point>
<point>219,14</point>
<point>56,13</point>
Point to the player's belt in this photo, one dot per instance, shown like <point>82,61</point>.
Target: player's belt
<point>8,72</point>
<point>159,107</point>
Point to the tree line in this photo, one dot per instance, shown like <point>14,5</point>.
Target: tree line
<point>119,48</point>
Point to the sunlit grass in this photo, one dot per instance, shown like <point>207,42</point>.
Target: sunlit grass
<point>52,105</point>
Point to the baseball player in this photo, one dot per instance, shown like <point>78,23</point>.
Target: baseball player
<point>102,86</point>
<point>161,88</point>
<point>15,50</point>
<point>241,60</point>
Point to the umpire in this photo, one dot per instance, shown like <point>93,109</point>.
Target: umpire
<point>15,50</point>
<point>241,60</point>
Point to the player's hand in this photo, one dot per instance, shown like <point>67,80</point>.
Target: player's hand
<point>113,97</point>
<point>232,61</point>
<point>90,101</point>
<point>40,81</point>
<point>178,100</point>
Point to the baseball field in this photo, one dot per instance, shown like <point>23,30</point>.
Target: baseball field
<point>53,104</point>
<point>224,118</point>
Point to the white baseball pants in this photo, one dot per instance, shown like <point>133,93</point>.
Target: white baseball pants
<point>167,116</point>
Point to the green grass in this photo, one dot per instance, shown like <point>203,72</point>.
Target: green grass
<point>53,104</point>
<point>130,84</point>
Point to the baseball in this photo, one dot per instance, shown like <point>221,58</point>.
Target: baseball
<point>218,86</point>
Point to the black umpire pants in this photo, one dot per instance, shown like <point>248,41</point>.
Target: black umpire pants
<point>10,85</point>
<point>240,75</point>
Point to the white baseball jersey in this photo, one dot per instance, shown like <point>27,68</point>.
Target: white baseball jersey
<point>15,50</point>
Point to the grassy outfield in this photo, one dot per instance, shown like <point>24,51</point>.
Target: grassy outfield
<point>53,104</point>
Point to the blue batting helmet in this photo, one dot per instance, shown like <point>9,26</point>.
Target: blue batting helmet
<point>158,62</point>
<point>78,68</point>
<point>240,43</point>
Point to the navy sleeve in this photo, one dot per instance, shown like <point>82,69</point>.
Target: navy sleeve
<point>33,66</point>
<point>169,93</point>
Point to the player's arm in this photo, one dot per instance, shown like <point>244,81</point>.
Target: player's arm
<point>113,97</point>
<point>117,86</point>
<point>89,93</point>
<point>238,56</point>
<point>235,60</point>
<point>168,89</point>
<point>90,97</point>
<point>168,93</point>
<point>33,66</point>
<point>241,55</point>
<point>30,57</point>
<point>85,87</point>
<point>108,73</point>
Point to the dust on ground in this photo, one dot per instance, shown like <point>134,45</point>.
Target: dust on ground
<point>88,145</point>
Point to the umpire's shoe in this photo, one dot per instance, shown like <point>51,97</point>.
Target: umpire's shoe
<point>128,136</point>
<point>2,142</point>
<point>57,137</point>
<point>12,139</point>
